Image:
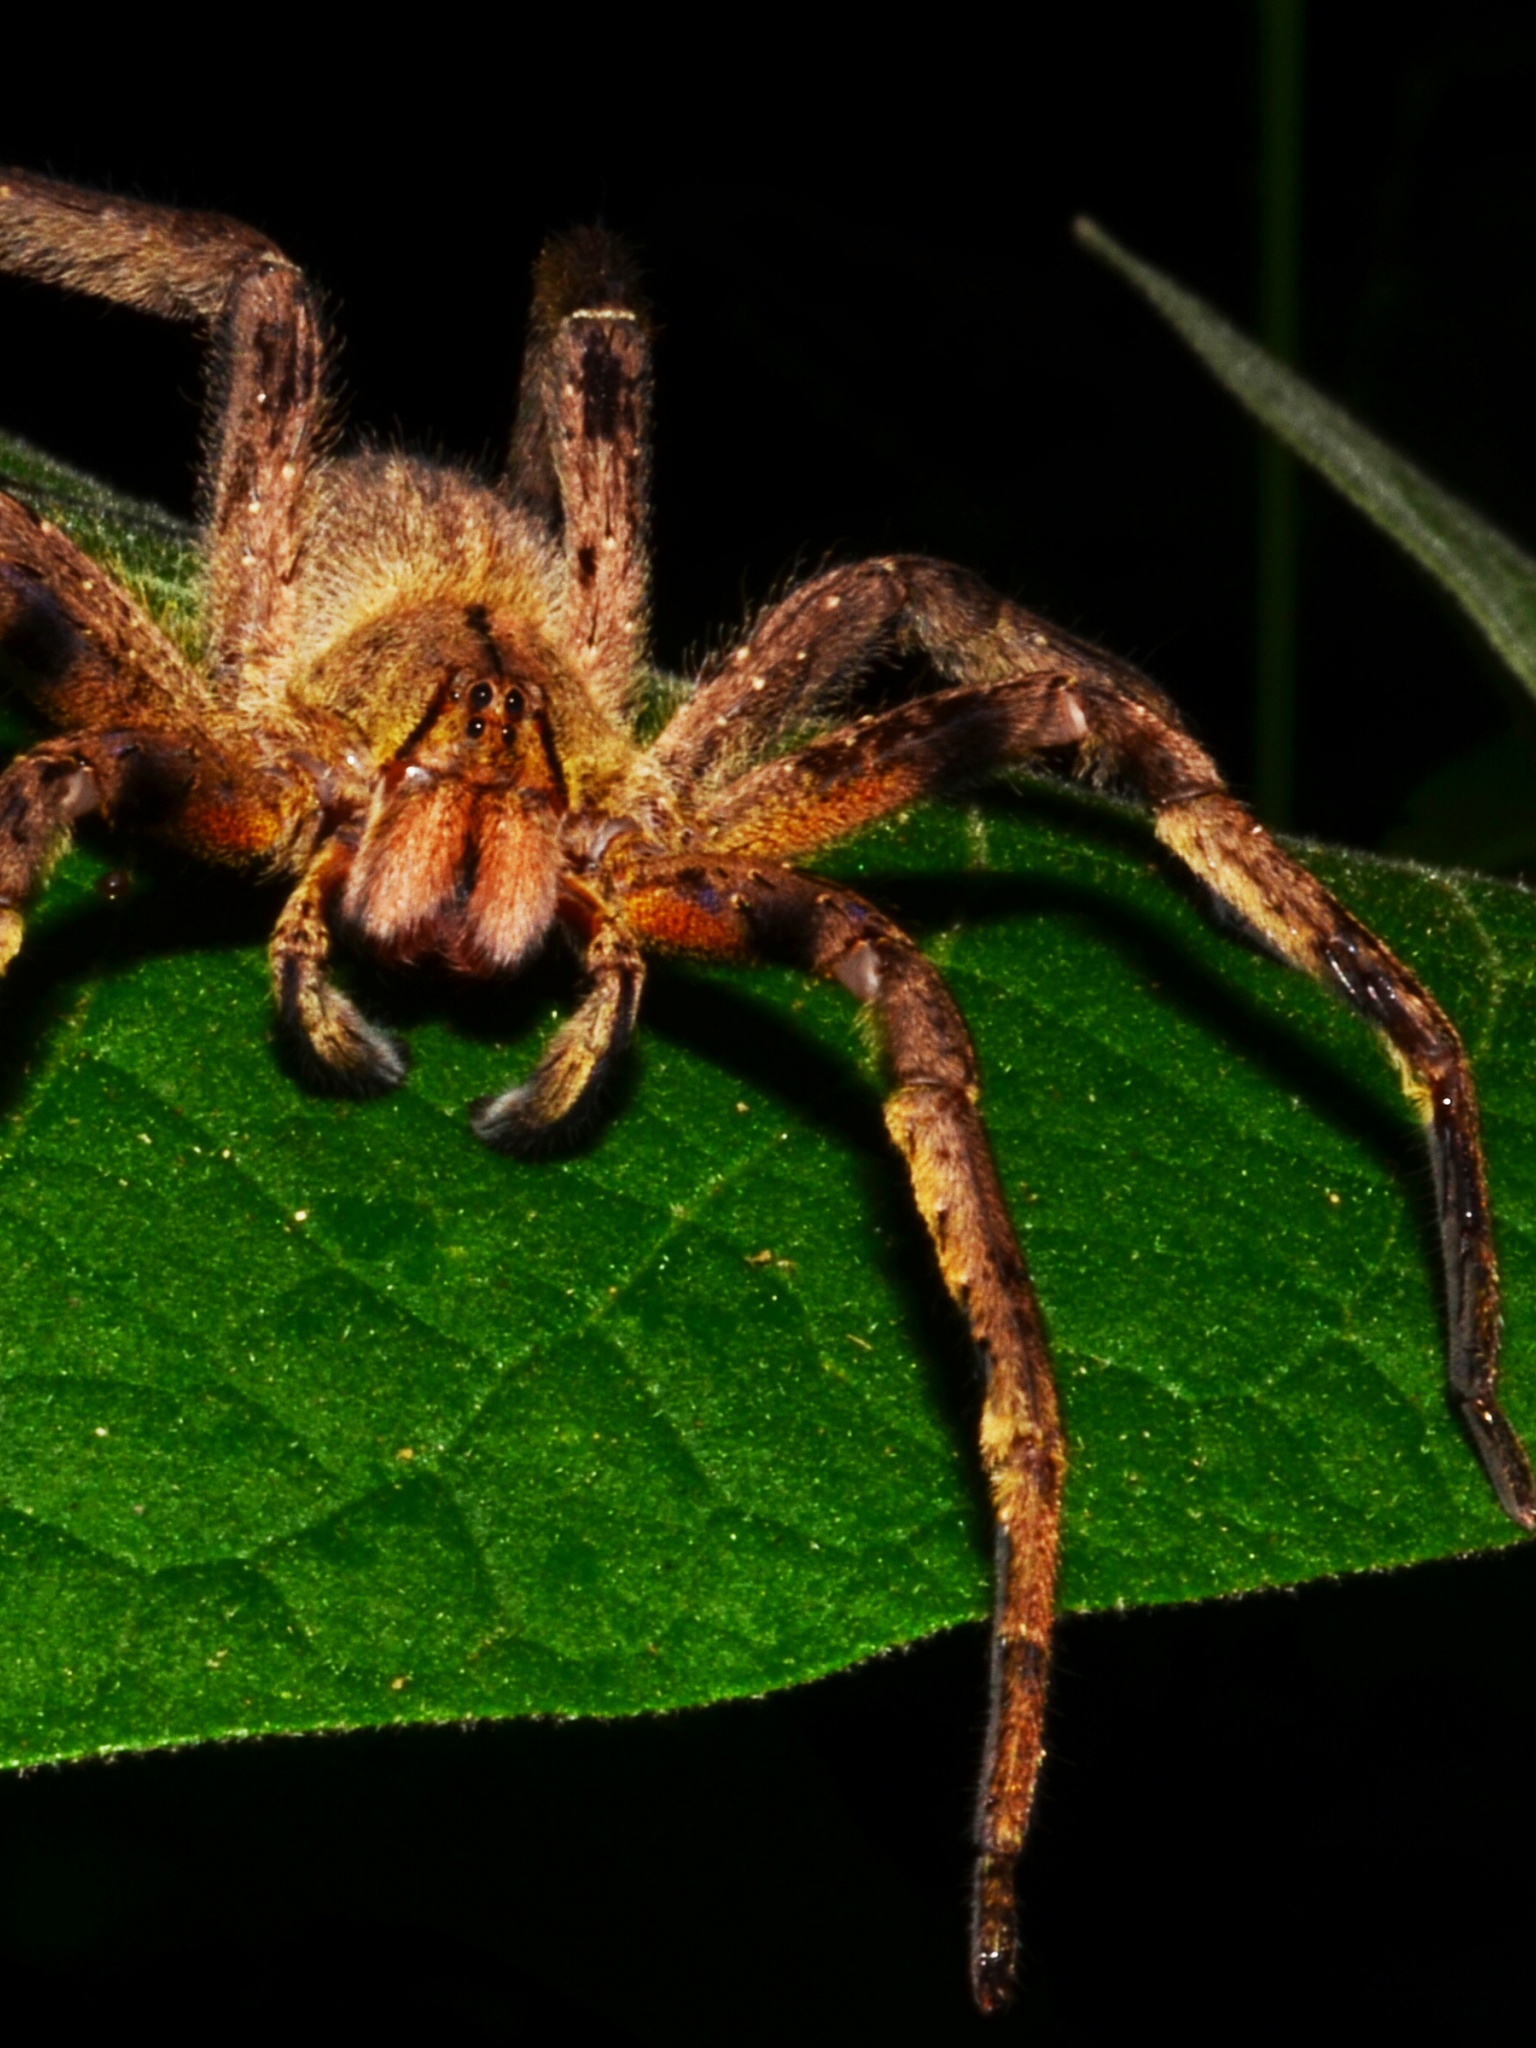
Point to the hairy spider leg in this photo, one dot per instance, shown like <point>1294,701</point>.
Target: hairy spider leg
<point>1124,729</point>
<point>831,786</point>
<point>46,789</point>
<point>580,457</point>
<point>798,663</point>
<point>812,645</point>
<point>1272,896</point>
<point>84,653</point>
<point>1026,687</point>
<point>142,731</point>
<point>166,260</point>
<point>266,420</point>
<point>733,909</point>
<point>99,659</point>
<point>264,391</point>
<point>1218,840</point>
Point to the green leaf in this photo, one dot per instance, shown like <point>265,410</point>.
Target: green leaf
<point>1492,579</point>
<point>148,550</point>
<point>317,1414</point>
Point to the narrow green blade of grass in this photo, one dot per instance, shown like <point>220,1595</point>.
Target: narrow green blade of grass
<point>315,1414</point>
<point>1492,579</point>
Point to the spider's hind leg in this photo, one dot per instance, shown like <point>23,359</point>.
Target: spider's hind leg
<point>735,909</point>
<point>1023,687</point>
<point>1273,896</point>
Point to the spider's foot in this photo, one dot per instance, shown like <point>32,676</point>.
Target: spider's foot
<point>340,1050</point>
<point>533,1118</point>
<point>1504,1459</point>
<point>560,1099</point>
<point>994,1953</point>
<point>517,1121</point>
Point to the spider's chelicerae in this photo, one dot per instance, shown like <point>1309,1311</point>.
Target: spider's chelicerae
<point>416,704</point>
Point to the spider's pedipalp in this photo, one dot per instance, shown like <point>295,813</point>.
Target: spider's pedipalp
<point>579,1058</point>
<point>729,908</point>
<point>334,1041</point>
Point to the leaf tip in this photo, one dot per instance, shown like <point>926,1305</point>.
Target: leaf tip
<point>1090,236</point>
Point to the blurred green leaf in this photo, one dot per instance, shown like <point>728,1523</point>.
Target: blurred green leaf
<point>149,551</point>
<point>1492,579</point>
<point>316,1414</point>
<point>1478,808</point>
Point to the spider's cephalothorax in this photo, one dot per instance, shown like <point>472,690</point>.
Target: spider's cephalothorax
<point>415,702</point>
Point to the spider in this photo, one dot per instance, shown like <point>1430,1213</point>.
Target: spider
<point>417,704</point>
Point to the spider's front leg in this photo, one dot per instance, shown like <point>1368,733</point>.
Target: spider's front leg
<point>738,910</point>
<point>182,782</point>
<point>47,789</point>
<point>77,644</point>
<point>143,734</point>
<point>580,459</point>
<point>265,400</point>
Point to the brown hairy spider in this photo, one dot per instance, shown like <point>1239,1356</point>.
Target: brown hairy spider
<point>416,704</point>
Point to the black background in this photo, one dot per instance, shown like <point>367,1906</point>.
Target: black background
<point>877,333</point>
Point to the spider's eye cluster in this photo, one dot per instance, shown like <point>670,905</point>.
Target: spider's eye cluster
<point>484,709</point>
